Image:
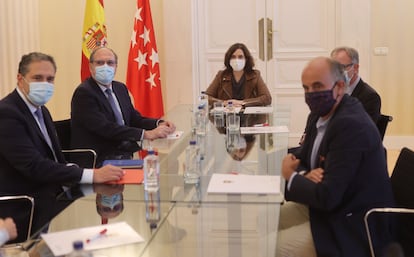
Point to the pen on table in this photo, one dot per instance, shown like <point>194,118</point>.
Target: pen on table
<point>261,125</point>
<point>97,236</point>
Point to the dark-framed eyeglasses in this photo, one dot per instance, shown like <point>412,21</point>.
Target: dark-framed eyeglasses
<point>346,66</point>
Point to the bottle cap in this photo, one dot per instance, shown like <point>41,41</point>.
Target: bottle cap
<point>78,245</point>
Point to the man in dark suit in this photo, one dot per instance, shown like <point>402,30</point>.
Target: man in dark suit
<point>103,117</point>
<point>30,155</point>
<point>339,175</point>
<point>367,95</point>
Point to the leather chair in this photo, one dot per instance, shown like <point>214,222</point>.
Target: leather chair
<point>21,209</point>
<point>402,181</point>
<point>63,129</point>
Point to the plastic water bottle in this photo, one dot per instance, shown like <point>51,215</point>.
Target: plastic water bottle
<point>152,208</point>
<point>192,169</point>
<point>151,172</point>
<point>231,112</point>
<point>78,250</point>
<point>201,121</point>
<point>203,101</point>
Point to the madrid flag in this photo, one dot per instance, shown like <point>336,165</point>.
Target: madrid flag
<point>93,34</point>
<point>143,72</point>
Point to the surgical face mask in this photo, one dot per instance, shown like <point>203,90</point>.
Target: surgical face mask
<point>320,102</point>
<point>111,201</point>
<point>104,74</point>
<point>40,92</point>
<point>237,64</point>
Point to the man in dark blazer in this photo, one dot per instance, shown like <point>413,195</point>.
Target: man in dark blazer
<point>367,95</point>
<point>30,155</point>
<point>106,121</point>
<point>339,175</point>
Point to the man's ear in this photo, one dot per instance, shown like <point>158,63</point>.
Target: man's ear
<point>341,87</point>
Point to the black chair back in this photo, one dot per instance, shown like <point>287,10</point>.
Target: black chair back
<point>402,180</point>
<point>382,124</point>
<point>63,133</point>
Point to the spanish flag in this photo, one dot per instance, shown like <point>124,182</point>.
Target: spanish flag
<point>93,34</point>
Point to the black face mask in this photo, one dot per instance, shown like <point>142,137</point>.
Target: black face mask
<point>320,102</point>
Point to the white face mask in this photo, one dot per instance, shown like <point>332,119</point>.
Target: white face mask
<point>104,74</point>
<point>40,92</point>
<point>348,82</point>
<point>237,64</point>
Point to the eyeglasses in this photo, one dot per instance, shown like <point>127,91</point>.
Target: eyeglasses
<point>101,62</point>
<point>346,66</point>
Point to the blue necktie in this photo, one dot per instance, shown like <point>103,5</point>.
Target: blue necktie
<point>117,113</point>
<point>41,120</point>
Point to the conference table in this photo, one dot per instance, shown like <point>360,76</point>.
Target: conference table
<point>185,219</point>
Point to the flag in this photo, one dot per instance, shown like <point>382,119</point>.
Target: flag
<point>93,34</point>
<point>143,72</point>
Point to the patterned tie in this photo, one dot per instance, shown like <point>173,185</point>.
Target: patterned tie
<point>41,120</point>
<point>118,115</point>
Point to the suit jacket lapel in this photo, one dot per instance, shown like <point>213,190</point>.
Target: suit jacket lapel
<point>35,127</point>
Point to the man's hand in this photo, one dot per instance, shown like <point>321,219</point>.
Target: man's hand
<point>315,175</point>
<point>161,131</point>
<point>10,227</point>
<point>107,173</point>
<point>169,124</point>
<point>289,165</point>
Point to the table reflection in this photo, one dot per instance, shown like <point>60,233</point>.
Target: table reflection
<point>109,201</point>
<point>236,144</point>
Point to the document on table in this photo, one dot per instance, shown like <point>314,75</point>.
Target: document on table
<point>258,109</point>
<point>131,176</point>
<point>225,110</point>
<point>244,184</point>
<point>264,129</point>
<point>175,135</point>
<point>60,243</point>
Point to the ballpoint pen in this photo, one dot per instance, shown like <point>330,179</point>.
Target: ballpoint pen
<point>97,236</point>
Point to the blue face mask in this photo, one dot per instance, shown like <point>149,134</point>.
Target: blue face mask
<point>111,201</point>
<point>40,92</point>
<point>104,74</point>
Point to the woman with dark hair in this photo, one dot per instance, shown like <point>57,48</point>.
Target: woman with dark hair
<point>239,82</point>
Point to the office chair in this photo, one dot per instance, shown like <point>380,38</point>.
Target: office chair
<point>63,130</point>
<point>21,209</point>
<point>402,181</point>
<point>382,124</point>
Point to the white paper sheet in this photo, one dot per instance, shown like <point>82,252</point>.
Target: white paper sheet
<point>224,110</point>
<point>265,129</point>
<point>244,184</point>
<point>60,243</point>
<point>258,109</point>
<point>177,134</point>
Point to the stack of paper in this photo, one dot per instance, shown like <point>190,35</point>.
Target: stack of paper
<point>244,184</point>
<point>258,109</point>
<point>60,243</point>
<point>264,129</point>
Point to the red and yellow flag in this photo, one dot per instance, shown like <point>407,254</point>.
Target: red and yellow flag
<point>93,34</point>
<point>143,72</point>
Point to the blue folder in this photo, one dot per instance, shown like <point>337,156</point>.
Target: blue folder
<point>132,164</point>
